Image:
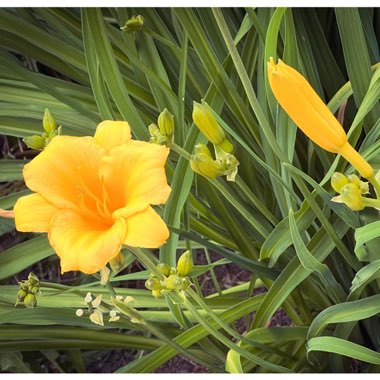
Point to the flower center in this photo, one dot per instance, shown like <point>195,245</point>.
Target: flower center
<point>93,199</point>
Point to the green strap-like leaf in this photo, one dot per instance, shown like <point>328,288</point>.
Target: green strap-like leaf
<point>363,235</point>
<point>343,347</point>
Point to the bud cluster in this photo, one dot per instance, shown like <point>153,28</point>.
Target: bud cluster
<point>134,24</point>
<point>201,161</point>
<point>51,130</point>
<point>29,289</point>
<point>351,190</point>
<point>163,134</point>
<point>174,279</point>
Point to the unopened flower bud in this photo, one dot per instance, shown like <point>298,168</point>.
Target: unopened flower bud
<point>30,301</point>
<point>354,179</point>
<point>311,115</point>
<point>203,164</point>
<point>363,186</point>
<point>185,283</point>
<point>34,289</point>
<point>352,197</point>
<point>173,271</point>
<point>153,284</point>
<point>133,24</point>
<point>166,124</point>
<point>153,130</point>
<point>207,124</point>
<point>48,122</point>
<point>34,142</point>
<point>173,282</point>
<point>338,180</point>
<point>21,295</point>
<point>156,293</point>
<point>79,312</point>
<point>164,269</point>
<point>185,264</point>
<point>33,279</point>
<point>202,149</point>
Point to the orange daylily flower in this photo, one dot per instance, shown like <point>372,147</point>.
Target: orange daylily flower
<point>93,194</point>
<point>311,115</point>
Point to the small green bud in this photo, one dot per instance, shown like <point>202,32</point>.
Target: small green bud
<point>30,301</point>
<point>156,293</point>
<point>185,283</point>
<point>173,271</point>
<point>153,284</point>
<point>354,179</point>
<point>203,164</point>
<point>352,197</point>
<point>185,264</point>
<point>166,124</point>
<point>133,24</point>
<point>21,295</point>
<point>338,180</point>
<point>164,269</point>
<point>34,289</point>
<point>153,130</point>
<point>173,282</point>
<point>33,279</point>
<point>207,124</point>
<point>34,142</point>
<point>202,149</point>
<point>364,187</point>
<point>48,122</point>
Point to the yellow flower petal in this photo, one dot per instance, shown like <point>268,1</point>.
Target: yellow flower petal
<point>146,229</point>
<point>84,244</point>
<point>110,134</point>
<point>305,107</point>
<point>138,169</point>
<point>33,213</point>
<point>65,170</point>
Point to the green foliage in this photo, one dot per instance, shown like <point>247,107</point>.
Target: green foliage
<point>314,260</point>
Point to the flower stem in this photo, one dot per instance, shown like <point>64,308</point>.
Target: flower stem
<point>146,261</point>
<point>370,202</point>
<point>110,289</point>
<point>375,184</point>
<point>182,152</point>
